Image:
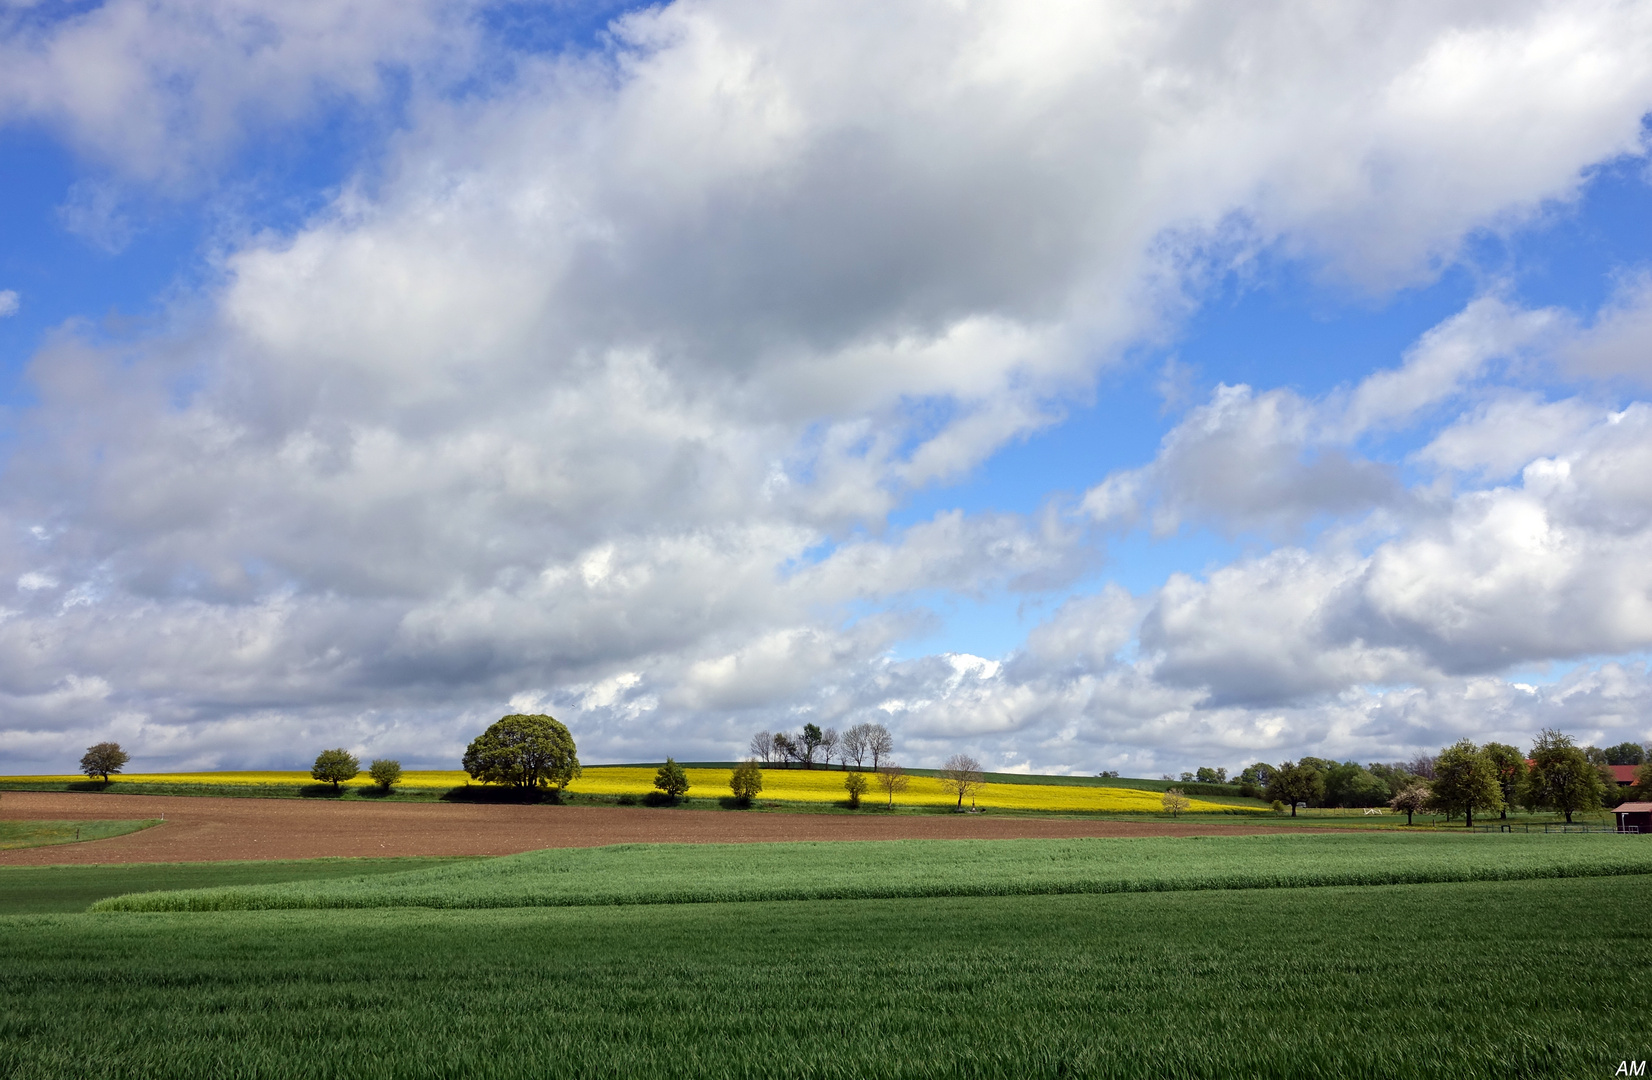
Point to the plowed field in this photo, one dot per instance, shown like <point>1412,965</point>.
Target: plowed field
<point>209,829</point>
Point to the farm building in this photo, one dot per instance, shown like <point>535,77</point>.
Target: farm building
<point>1636,816</point>
<point>1624,774</point>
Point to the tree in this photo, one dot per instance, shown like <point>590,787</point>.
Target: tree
<point>1510,765</point>
<point>828,746</point>
<point>671,779</point>
<point>1465,780</point>
<point>1347,784</point>
<point>1643,781</point>
<point>1254,778</point>
<point>1175,802</point>
<point>784,751</point>
<point>762,746</point>
<point>103,759</point>
<point>1561,777</point>
<point>855,785</point>
<point>385,773</point>
<point>892,779</point>
<point>854,744</point>
<point>1410,800</point>
<point>962,774</point>
<point>1625,753</point>
<point>747,780</point>
<point>524,751</point>
<point>335,766</point>
<point>806,743</point>
<point>879,743</point>
<point>1293,783</point>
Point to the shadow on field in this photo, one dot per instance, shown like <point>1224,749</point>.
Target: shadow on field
<point>87,785</point>
<point>488,793</point>
<point>320,791</point>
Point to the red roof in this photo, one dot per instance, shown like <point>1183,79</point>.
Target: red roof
<point>1623,774</point>
<point>1634,808</point>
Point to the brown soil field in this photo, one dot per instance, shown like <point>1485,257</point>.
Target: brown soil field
<point>208,829</point>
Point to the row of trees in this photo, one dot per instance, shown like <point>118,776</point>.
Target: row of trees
<point>859,746</point>
<point>338,766</point>
<point>1556,775</point>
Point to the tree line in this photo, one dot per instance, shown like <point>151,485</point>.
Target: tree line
<point>858,746</point>
<point>1463,779</point>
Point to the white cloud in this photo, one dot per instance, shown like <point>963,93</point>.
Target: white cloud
<point>157,90</point>
<point>9,302</point>
<point>617,371</point>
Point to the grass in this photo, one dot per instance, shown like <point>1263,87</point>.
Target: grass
<point>707,873</point>
<point>22,834</point>
<point>1506,980</point>
<point>38,889</point>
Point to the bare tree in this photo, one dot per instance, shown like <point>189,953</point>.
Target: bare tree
<point>879,743</point>
<point>852,745</point>
<point>892,779</point>
<point>828,746</point>
<point>962,774</point>
<point>762,746</point>
<point>1175,802</point>
<point>1422,765</point>
<point>784,749</point>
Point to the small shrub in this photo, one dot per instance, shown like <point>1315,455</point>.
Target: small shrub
<point>855,785</point>
<point>747,781</point>
<point>671,779</point>
<point>1277,807</point>
<point>385,773</point>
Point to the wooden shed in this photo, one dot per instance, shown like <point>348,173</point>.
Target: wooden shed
<point>1636,816</point>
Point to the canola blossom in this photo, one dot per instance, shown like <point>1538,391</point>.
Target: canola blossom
<point>779,785</point>
<point>442,779</point>
<point>826,785</point>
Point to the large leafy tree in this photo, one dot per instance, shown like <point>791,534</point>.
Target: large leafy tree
<point>1465,780</point>
<point>335,766</point>
<point>1643,781</point>
<point>1626,753</point>
<point>1510,765</point>
<point>1295,782</point>
<point>1562,778</point>
<point>524,751</point>
<point>103,759</point>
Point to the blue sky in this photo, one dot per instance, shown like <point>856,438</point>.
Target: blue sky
<point>373,369</point>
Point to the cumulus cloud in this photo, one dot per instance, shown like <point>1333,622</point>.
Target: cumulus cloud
<point>158,90</point>
<point>602,392</point>
<point>9,302</point>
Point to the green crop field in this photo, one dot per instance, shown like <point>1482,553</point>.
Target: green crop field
<point>1531,978</point>
<point>21,834</point>
<point>674,873</point>
<point>27,890</point>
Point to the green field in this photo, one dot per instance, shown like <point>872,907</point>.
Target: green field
<point>22,834</point>
<point>28,890</point>
<point>1496,979</point>
<point>677,873</point>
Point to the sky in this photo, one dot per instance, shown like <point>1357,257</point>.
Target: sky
<point>1080,386</point>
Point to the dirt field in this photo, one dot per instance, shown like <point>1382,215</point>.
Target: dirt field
<point>208,829</point>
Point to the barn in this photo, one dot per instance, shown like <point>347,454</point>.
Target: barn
<point>1635,817</point>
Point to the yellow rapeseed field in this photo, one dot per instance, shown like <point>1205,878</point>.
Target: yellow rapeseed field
<point>793,785</point>
<point>821,785</point>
